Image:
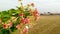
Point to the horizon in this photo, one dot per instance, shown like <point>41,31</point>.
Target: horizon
<point>42,5</point>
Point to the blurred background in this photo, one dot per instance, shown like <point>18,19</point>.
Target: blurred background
<point>44,6</point>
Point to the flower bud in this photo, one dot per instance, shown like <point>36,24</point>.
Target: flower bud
<point>18,26</point>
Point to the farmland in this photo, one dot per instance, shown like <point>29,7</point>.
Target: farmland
<point>46,25</point>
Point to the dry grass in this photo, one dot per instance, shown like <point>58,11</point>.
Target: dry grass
<point>46,25</point>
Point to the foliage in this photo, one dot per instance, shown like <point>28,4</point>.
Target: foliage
<point>6,15</point>
<point>7,24</point>
<point>5,31</point>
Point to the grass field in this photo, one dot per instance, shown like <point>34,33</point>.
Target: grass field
<point>46,25</point>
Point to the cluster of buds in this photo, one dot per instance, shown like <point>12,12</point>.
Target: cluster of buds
<point>21,8</point>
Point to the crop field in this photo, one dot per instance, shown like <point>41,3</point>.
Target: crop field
<point>46,25</point>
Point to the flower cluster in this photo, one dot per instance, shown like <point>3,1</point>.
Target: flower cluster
<point>21,17</point>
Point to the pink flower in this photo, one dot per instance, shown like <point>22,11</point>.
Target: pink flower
<point>10,24</point>
<point>5,25</point>
<point>18,26</point>
<point>22,20</point>
<point>27,20</point>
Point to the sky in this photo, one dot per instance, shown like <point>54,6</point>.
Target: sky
<point>42,5</point>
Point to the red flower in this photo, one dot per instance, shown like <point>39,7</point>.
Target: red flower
<point>18,26</point>
<point>5,25</point>
<point>22,20</point>
<point>27,20</point>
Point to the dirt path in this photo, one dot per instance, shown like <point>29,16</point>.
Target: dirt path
<point>46,25</point>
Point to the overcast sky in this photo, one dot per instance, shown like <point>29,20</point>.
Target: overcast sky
<point>42,5</point>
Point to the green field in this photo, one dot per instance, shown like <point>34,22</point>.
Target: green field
<point>46,25</point>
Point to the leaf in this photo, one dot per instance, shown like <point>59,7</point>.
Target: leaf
<point>5,16</point>
<point>5,31</point>
<point>26,14</point>
<point>18,20</point>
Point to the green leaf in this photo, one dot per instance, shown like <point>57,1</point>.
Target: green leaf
<point>5,16</point>
<point>26,14</point>
<point>5,31</point>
